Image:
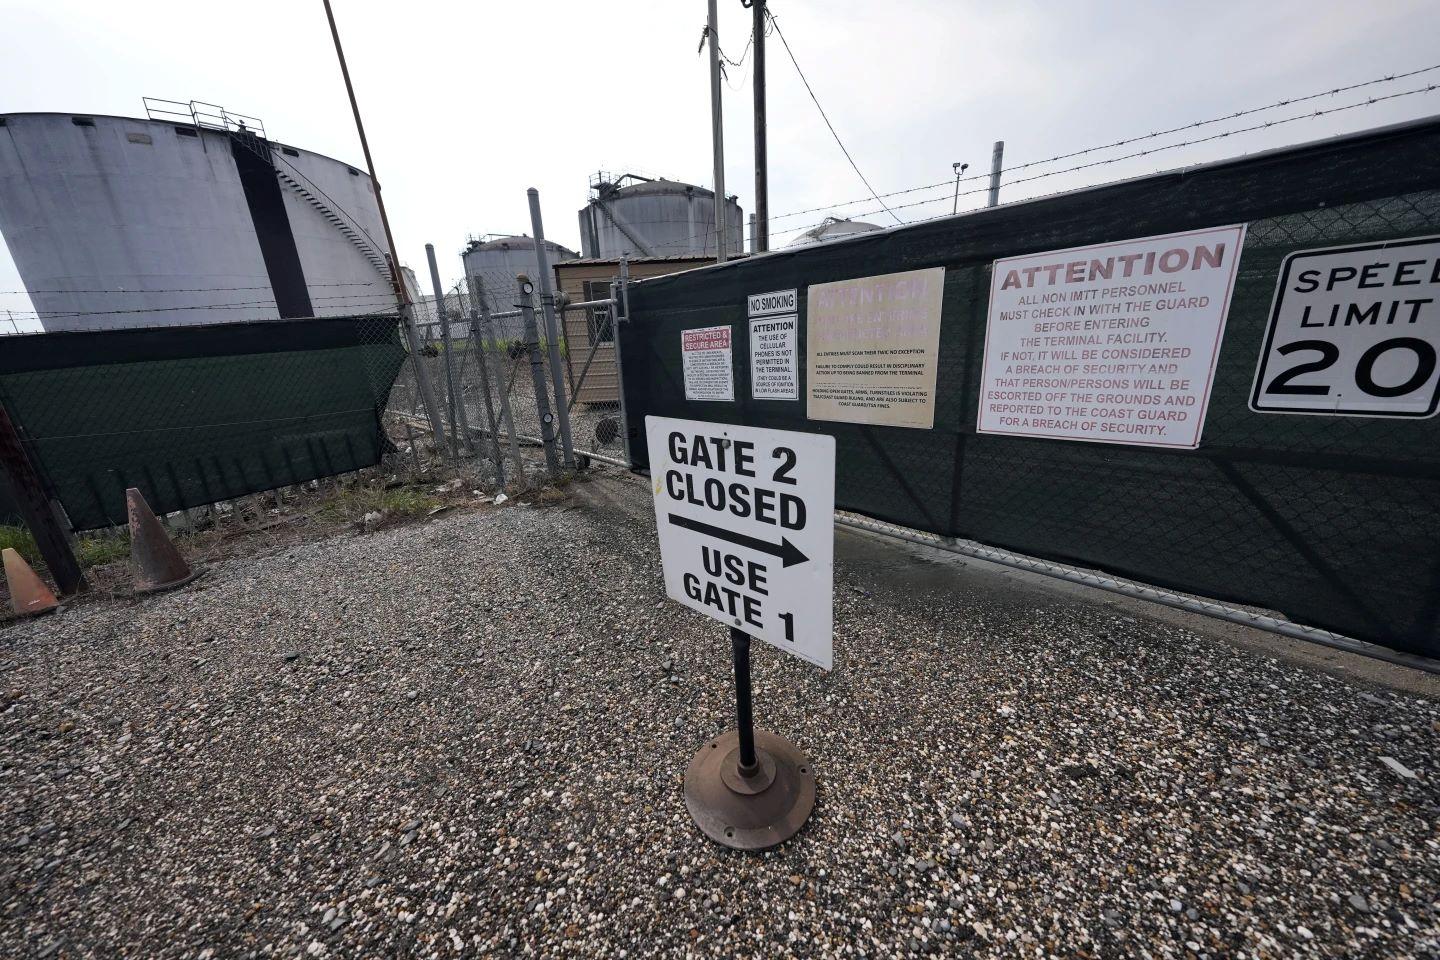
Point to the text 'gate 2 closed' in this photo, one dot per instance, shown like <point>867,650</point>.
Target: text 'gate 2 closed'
<point>746,524</point>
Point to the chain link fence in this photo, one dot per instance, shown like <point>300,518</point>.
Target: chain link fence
<point>494,384</point>
<point>197,414</point>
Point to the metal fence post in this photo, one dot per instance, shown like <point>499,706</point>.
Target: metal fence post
<point>483,364</point>
<point>537,375</point>
<point>620,293</point>
<point>450,400</point>
<point>507,418</point>
<point>422,376</point>
<point>552,329</point>
<point>36,509</point>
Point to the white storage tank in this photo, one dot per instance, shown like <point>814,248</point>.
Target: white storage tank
<point>637,216</point>
<point>116,221</point>
<point>833,228</point>
<point>497,260</point>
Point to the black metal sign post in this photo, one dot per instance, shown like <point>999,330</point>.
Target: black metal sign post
<point>749,789</point>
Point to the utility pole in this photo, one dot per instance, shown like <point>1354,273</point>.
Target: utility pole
<point>717,132</point>
<point>761,233</point>
<point>996,160</point>
<point>402,299</point>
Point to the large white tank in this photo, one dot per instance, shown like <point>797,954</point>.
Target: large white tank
<point>632,215</point>
<point>497,261</point>
<point>115,221</point>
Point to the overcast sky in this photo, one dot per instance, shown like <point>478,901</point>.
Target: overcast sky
<point>468,104</point>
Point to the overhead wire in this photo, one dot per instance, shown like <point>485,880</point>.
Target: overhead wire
<point>1371,101</point>
<point>853,165</point>
<point>949,184</point>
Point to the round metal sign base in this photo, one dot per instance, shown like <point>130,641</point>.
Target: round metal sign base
<point>756,812</point>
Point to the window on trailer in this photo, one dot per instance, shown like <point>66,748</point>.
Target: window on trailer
<point>598,318</point>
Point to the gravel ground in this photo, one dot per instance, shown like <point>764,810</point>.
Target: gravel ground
<point>466,737</point>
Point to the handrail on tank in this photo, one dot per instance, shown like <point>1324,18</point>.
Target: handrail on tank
<point>199,114</point>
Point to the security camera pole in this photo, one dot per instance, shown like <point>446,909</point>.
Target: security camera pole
<point>959,168</point>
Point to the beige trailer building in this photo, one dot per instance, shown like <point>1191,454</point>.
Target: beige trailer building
<point>590,328</point>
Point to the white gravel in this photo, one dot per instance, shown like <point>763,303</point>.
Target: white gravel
<point>467,737</point>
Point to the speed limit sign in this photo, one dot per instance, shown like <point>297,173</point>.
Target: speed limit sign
<point>1354,331</point>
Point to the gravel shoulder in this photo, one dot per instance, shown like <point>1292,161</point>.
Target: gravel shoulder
<point>466,737</point>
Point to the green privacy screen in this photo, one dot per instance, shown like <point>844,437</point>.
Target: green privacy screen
<point>1332,521</point>
<point>195,414</point>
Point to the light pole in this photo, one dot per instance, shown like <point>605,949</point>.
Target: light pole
<point>959,168</point>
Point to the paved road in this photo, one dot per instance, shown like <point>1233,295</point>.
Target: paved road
<point>467,737</point>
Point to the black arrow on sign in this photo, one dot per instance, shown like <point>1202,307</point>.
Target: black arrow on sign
<point>786,551</point>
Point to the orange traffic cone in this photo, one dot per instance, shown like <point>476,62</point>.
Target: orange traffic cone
<point>29,596</point>
<point>158,565</point>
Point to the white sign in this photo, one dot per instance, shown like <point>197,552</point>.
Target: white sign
<point>1114,343</point>
<point>747,528</point>
<point>706,360</point>
<point>774,368</point>
<point>1354,331</point>
<point>874,347</point>
<point>780,301</point>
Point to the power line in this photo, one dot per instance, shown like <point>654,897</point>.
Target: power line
<point>786,44</point>
<point>949,184</point>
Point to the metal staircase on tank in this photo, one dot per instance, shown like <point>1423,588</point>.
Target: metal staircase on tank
<point>250,132</point>
<point>340,223</point>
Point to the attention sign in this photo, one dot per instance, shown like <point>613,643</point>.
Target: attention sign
<point>746,524</point>
<point>1354,331</point>
<point>1113,343</point>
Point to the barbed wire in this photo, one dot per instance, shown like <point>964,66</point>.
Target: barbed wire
<point>709,232</point>
<point>1142,153</point>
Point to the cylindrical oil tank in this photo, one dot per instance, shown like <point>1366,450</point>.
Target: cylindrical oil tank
<point>498,261</point>
<point>636,216</point>
<point>114,221</point>
<point>833,228</point>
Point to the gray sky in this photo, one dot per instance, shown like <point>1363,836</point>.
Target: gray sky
<point>468,104</point>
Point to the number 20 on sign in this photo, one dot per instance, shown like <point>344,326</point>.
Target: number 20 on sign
<point>746,524</point>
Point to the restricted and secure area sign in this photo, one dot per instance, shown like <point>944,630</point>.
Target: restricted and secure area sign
<point>1354,331</point>
<point>747,528</point>
<point>745,518</point>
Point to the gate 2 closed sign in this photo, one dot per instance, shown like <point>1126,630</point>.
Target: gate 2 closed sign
<point>746,524</point>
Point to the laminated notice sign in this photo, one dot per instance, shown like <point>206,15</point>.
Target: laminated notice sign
<point>705,353</point>
<point>872,344</point>
<point>1112,343</point>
